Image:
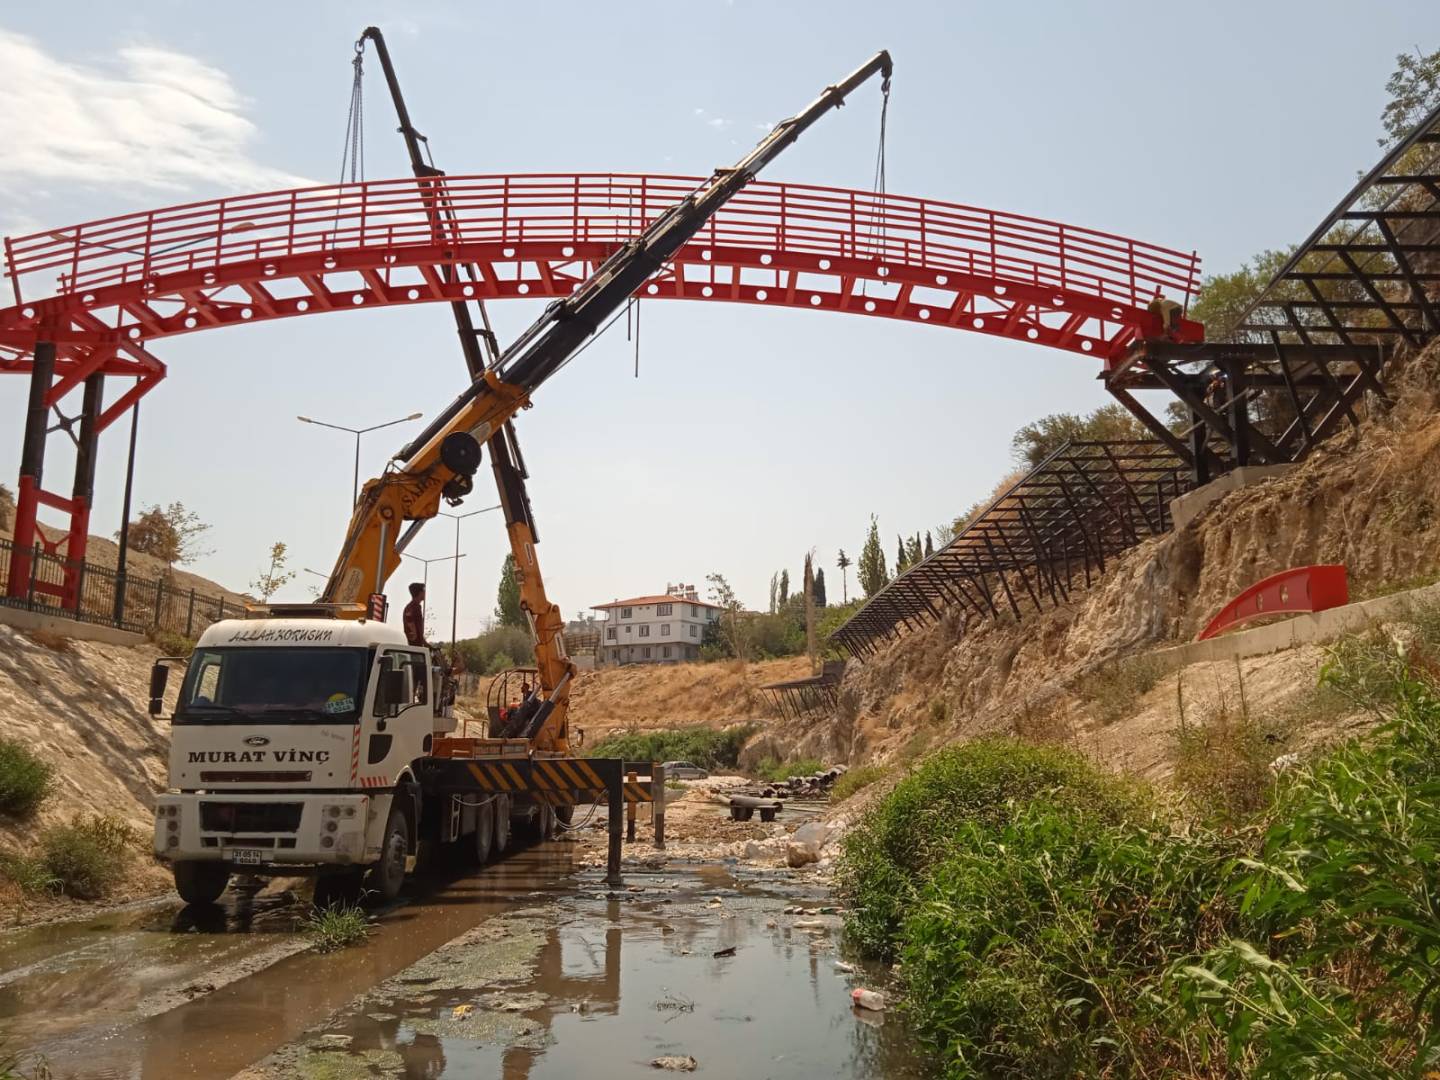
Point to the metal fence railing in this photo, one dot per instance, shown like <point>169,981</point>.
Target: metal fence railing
<point>132,603</point>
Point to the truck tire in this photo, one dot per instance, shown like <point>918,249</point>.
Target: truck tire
<point>200,882</point>
<point>387,875</point>
<point>501,806</point>
<point>484,833</point>
<point>564,814</point>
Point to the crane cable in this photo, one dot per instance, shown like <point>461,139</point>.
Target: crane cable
<point>353,151</point>
<point>877,227</point>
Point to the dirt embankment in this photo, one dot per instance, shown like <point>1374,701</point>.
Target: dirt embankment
<point>648,697</point>
<point>1368,499</point>
<point>81,706</point>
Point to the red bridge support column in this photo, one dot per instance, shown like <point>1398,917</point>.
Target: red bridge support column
<point>32,467</point>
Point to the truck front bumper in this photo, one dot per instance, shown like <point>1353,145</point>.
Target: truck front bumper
<point>263,830</point>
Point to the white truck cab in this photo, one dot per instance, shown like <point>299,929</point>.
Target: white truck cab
<point>293,749</point>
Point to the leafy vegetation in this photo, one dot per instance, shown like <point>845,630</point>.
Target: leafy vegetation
<point>24,779</point>
<point>871,569</point>
<point>507,596</point>
<point>706,747</point>
<point>337,926</point>
<point>275,576</point>
<point>1050,921</point>
<point>1036,441</point>
<point>775,771</point>
<point>495,650</point>
<point>170,643</point>
<point>171,534</point>
<point>856,779</point>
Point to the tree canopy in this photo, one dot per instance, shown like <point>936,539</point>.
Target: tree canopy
<point>507,597</point>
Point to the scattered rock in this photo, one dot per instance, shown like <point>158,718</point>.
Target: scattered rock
<point>334,1042</point>
<point>718,953</point>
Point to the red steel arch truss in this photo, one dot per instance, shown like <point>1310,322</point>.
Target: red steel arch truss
<point>90,300</point>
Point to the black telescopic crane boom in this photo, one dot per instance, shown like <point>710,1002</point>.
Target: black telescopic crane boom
<point>566,323</point>
<point>433,189</point>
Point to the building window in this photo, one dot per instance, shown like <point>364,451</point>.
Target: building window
<point>666,652</point>
<point>694,630</point>
<point>665,629</point>
<point>610,634</point>
<point>694,612</point>
<point>645,631</point>
<point>629,629</point>
<point>663,609</point>
<point>626,612</point>
<point>645,652</point>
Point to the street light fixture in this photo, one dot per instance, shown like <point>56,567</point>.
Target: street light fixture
<point>425,579</point>
<point>455,592</point>
<point>357,432</point>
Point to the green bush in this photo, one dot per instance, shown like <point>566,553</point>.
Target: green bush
<point>30,874</point>
<point>855,780</point>
<point>776,771</point>
<point>501,661</point>
<point>89,856</point>
<point>171,643</point>
<point>983,784</point>
<point>706,747</point>
<point>24,779</point>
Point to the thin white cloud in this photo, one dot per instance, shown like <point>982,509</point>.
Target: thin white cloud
<point>154,118</point>
<point>717,122</point>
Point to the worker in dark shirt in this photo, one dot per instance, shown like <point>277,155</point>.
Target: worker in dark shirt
<point>414,621</point>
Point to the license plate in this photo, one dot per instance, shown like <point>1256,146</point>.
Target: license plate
<point>245,856</point>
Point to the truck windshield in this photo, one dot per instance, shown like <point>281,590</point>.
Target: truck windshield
<point>307,685</point>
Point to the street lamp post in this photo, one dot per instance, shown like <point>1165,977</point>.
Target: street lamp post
<point>357,432</point>
<point>455,589</point>
<point>425,578</point>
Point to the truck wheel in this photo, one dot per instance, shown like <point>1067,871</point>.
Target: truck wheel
<point>387,875</point>
<point>341,888</point>
<point>484,833</point>
<point>541,825</point>
<point>564,814</point>
<point>201,882</point>
<point>501,806</point>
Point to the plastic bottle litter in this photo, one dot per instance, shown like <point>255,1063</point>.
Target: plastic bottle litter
<point>868,999</point>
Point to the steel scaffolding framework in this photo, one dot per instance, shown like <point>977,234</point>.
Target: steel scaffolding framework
<point>1298,361</point>
<point>1029,549</point>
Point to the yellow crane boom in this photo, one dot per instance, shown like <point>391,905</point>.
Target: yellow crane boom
<point>441,462</point>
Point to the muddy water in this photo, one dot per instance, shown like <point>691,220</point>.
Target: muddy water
<point>101,1009</point>
<point>608,982</point>
<point>530,969</point>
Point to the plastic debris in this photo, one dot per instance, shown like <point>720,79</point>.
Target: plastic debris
<point>462,1012</point>
<point>675,1063</point>
<point>868,999</point>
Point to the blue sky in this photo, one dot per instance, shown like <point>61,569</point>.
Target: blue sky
<point>751,435</point>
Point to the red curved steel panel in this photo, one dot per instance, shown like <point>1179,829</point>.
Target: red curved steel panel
<point>1301,589</point>
<point>128,280</point>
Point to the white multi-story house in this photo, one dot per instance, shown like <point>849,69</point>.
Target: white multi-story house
<point>663,629</point>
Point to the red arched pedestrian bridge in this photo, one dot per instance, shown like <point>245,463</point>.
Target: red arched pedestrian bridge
<point>91,300</point>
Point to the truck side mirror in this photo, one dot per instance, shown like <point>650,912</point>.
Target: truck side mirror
<point>159,676</point>
<point>390,693</point>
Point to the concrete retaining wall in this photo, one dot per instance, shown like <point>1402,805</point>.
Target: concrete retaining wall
<point>1301,630</point>
<point>1186,508</point>
<point>22,619</point>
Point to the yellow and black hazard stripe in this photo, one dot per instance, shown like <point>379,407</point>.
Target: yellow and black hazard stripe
<point>498,776</point>
<point>570,774</point>
<point>637,792</point>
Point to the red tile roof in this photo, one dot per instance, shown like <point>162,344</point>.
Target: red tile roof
<point>644,601</point>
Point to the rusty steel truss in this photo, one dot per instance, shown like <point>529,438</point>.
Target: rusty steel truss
<point>1299,361</point>
<point>1051,531</point>
<point>808,699</point>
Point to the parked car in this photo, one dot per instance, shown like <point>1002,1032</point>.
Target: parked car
<point>683,770</point>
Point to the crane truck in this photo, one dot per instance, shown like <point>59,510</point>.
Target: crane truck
<point>316,739</point>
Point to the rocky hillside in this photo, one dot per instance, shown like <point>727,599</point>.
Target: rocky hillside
<point>1368,499</point>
